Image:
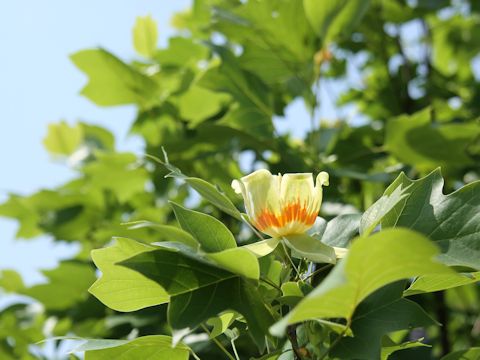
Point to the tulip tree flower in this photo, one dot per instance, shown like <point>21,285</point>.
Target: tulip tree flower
<point>281,205</point>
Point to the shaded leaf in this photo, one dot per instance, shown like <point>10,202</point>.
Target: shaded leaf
<point>189,310</point>
<point>449,220</point>
<point>381,313</point>
<point>341,230</point>
<point>175,272</point>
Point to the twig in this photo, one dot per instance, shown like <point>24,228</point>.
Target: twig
<point>289,258</point>
<point>292,336</point>
<point>442,316</point>
<point>218,343</point>
<point>271,283</point>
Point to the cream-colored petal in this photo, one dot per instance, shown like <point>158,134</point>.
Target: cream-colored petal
<point>260,191</point>
<point>322,179</point>
<point>296,188</point>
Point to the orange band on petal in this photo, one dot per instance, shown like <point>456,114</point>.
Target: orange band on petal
<point>294,212</point>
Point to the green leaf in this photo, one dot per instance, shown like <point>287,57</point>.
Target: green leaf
<point>182,52</point>
<point>304,246</point>
<point>467,354</point>
<point>11,281</point>
<point>263,247</point>
<point>214,196</point>
<point>221,323</point>
<point>341,230</point>
<point>332,18</point>
<point>403,252</point>
<point>239,261</point>
<point>206,190</point>
<point>120,288</point>
<point>253,111</point>
<point>449,220</point>
<point>191,309</point>
<point>390,201</point>
<point>67,285</point>
<point>112,82</point>
<point>336,327</point>
<point>167,232</point>
<point>212,234</point>
<point>63,139</point>
<point>381,313</point>
<point>291,293</point>
<point>416,140</point>
<point>117,172</point>
<point>389,347</point>
<point>198,104</point>
<point>235,260</point>
<point>174,271</point>
<point>145,36</point>
<point>151,347</point>
<point>431,283</point>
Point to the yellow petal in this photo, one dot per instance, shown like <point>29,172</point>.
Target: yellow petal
<point>281,205</point>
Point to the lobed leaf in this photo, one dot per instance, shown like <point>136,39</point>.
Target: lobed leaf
<point>371,263</point>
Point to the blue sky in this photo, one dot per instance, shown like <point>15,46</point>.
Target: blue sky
<point>40,85</point>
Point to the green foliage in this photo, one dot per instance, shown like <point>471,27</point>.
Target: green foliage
<point>154,346</point>
<point>441,217</point>
<point>111,287</point>
<point>112,82</point>
<point>187,267</point>
<point>364,271</point>
<point>145,36</point>
<point>332,18</point>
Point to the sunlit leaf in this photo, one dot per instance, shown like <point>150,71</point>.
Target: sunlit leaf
<point>212,235</point>
<point>431,283</point>
<point>152,347</point>
<point>111,81</point>
<point>371,263</point>
<point>145,36</point>
<point>120,288</point>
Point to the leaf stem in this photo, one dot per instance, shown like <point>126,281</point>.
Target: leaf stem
<point>289,258</point>
<point>218,343</point>
<point>317,271</point>
<point>232,341</point>
<point>271,283</point>
<point>195,356</point>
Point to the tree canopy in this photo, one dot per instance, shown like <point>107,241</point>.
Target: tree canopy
<point>169,265</point>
